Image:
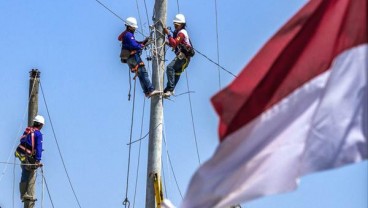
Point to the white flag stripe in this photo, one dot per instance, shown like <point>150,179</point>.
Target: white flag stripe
<point>326,114</point>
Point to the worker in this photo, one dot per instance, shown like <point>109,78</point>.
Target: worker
<point>131,54</point>
<point>181,44</point>
<point>29,151</point>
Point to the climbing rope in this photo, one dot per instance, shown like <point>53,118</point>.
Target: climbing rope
<point>130,84</point>
<point>126,202</point>
<point>58,147</point>
<point>14,182</point>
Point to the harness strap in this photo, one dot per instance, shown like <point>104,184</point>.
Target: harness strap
<point>25,149</point>
<point>32,141</point>
<point>29,131</point>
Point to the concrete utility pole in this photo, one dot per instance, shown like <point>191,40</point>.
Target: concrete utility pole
<point>156,117</point>
<point>34,82</point>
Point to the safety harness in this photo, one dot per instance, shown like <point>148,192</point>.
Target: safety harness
<point>126,54</point>
<point>24,151</point>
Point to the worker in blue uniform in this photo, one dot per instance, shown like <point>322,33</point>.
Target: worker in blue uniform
<point>29,151</point>
<point>131,54</point>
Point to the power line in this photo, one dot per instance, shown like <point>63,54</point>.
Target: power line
<point>58,147</point>
<point>47,187</point>
<point>112,12</point>
<point>191,114</point>
<point>170,163</point>
<point>217,41</point>
<point>177,3</point>
<point>215,63</point>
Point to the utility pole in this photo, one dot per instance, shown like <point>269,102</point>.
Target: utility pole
<point>34,82</point>
<point>156,117</point>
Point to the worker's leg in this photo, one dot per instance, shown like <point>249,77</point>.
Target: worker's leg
<point>170,73</point>
<point>174,70</point>
<point>27,186</point>
<point>144,80</point>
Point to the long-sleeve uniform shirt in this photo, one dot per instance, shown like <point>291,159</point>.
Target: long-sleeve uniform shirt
<point>129,42</point>
<point>26,141</point>
<point>179,38</point>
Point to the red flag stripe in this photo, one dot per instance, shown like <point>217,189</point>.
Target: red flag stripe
<point>305,47</point>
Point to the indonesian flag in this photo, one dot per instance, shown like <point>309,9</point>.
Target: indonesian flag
<point>298,107</point>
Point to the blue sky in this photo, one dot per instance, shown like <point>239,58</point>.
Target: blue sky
<point>74,45</point>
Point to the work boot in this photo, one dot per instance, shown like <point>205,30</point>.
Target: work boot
<point>167,94</point>
<point>154,92</point>
<point>29,203</point>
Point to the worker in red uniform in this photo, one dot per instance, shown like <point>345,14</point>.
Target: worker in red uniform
<point>183,49</point>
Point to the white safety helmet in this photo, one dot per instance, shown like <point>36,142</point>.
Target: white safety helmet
<point>39,119</point>
<point>179,18</point>
<point>132,22</point>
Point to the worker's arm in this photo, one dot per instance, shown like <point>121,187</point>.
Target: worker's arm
<point>38,145</point>
<point>131,43</point>
<point>176,41</point>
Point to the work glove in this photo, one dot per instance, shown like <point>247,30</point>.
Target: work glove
<point>166,31</point>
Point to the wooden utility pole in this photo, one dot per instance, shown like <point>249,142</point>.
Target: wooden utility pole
<point>34,82</point>
<point>156,117</point>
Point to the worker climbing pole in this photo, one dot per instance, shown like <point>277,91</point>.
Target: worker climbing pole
<point>131,54</point>
<point>29,151</point>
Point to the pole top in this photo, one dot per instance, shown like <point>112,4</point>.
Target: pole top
<point>34,73</point>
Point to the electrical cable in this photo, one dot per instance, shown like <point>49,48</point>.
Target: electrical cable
<point>117,15</point>
<point>47,187</point>
<point>58,147</point>
<point>191,114</point>
<point>217,43</point>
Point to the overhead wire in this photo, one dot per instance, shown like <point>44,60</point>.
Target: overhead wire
<point>192,117</point>
<point>145,6</point>
<point>107,8</point>
<point>47,187</point>
<point>167,159</point>
<point>191,111</point>
<point>217,43</point>
<point>58,147</point>
<point>177,3</point>
<point>217,64</point>
<point>170,163</point>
